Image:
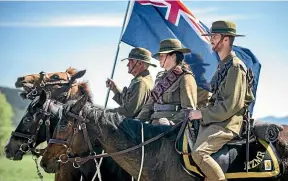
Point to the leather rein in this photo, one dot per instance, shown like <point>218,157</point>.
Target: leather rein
<point>64,158</point>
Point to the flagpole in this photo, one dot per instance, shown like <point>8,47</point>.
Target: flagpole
<point>117,51</point>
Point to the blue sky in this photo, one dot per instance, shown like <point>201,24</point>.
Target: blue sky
<point>51,36</point>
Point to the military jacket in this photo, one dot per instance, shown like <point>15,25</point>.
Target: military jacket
<point>230,95</point>
<point>133,98</point>
<point>203,97</point>
<point>182,93</point>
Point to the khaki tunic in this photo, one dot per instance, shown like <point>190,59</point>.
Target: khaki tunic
<point>133,98</point>
<point>203,97</point>
<point>226,104</point>
<point>182,92</point>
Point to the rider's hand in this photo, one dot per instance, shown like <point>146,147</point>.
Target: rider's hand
<point>195,114</point>
<point>162,121</point>
<point>111,84</point>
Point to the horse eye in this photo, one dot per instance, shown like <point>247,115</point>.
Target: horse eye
<point>63,128</point>
<point>55,76</point>
<point>27,120</point>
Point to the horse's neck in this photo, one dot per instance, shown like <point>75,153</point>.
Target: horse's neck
<point>161,161</point>
<point>112,139</point>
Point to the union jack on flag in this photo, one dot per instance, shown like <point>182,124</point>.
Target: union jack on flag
<point>175,9</point>
<point>152,21</point>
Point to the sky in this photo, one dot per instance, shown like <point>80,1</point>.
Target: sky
<point>52,36</point>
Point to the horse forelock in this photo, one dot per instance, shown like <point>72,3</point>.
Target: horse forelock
<point>71,71</point>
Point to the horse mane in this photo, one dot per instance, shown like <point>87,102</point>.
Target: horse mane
<point>83,89</point>
<point>131,127</point>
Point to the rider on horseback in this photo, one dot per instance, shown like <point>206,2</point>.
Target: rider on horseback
<point>132,99</point>
<point>175,89</point>
<point>222,119</point>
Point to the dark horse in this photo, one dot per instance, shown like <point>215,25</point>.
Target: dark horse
<point>61,86</point>
<point>114,133</point>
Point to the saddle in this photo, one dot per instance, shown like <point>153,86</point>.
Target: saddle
<point>263,159</point>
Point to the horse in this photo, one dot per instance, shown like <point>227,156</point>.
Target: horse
<point>62,87</point>
<point>116,134</point>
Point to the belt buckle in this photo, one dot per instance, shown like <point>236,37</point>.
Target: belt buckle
<point>176,108</point>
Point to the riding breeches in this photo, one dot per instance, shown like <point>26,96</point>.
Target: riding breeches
<point>209,140</point>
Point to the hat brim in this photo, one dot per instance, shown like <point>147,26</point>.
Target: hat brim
<point>183,50</point>
<point>229,34</point>
<point>151,64</point>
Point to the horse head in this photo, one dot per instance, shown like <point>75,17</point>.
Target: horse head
<point>69,138</point>
<point>58,84</point>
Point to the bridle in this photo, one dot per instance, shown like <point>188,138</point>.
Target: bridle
<point>80,124</point>
<point>32,138</point>
<point>41,84</point>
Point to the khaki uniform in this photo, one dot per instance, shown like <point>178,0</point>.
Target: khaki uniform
<point>133,98</point>
<point>223,116</point>
<point>203,97</point>
<point>180,95</point>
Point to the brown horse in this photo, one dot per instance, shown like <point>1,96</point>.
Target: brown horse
<point>62,87</point>
<point>161,161</point>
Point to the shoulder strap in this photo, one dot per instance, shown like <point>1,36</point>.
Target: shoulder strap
<point>250,78</point>
<point>166,82</point>
<point>221,75</point>
<point>250,85</point>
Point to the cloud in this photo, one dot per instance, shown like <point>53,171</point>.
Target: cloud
<point>103,20</point>
<point>210,14</point>
<point>209,18</point>
<point>204,10</point>
<point>206,15</point>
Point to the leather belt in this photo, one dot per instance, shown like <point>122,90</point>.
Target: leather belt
<point>166,107</point>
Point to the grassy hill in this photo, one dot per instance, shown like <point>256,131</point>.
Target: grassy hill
<point>279,120</point>
<point>18,104</point>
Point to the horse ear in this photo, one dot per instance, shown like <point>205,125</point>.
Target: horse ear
<point>76,108</point>
<point>78,75</point>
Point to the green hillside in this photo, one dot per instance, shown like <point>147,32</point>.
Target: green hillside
<point>18,104</point>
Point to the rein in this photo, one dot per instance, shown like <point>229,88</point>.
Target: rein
<point>41,84</point>
<point>31,143</point>
<point>64,158</point>
<point>82,160</point>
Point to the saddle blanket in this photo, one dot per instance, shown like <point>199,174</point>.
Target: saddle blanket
<point>263,160</point>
